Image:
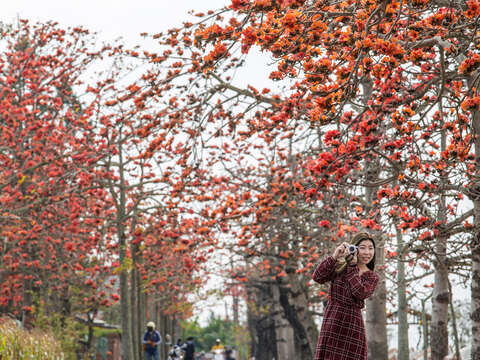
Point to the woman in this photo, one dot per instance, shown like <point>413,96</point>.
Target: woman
<point>342,336</point>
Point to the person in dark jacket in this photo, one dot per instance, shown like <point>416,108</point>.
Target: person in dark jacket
<point>343,332</point>
<point>229,353</point>
<point>189,349</point>
<point>151,340</point>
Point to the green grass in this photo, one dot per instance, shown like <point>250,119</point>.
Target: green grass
<point>99,332</point>
<point>17,343</point>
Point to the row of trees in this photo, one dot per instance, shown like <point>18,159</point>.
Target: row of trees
<point>142,167</point>
<point>87,218</point>
<point>373,125</point>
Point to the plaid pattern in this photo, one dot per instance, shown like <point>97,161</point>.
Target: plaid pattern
<point>342,336</point>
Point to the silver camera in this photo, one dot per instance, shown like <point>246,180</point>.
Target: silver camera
<point>353,249</point>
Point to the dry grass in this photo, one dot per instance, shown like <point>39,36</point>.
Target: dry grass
<point>19,344</point>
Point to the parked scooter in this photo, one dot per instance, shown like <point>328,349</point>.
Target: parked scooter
<point>175,352</point>
<point>217,354</point>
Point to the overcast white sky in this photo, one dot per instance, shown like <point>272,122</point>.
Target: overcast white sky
<point>111,18</point>
<point>127,19</point>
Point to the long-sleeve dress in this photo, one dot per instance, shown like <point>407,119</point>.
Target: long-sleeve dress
<point>342,336</point>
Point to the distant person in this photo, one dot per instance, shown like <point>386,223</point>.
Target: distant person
<point>151,340</point>
<point>201,356</point>
<point>218,350</point>
<point>218,346</point>
<point>189,349</point>
<point>228,353</point>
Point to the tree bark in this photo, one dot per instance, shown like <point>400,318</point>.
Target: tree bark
<point>475,246</point>
<point>440,300</point>
<point>134,308</point>
<point>135,298</point>
<point>127,349</point>
<point>376,314</point>
<point>295,309</point>
<point>261,326</point>
<point>142,309</point>
<point>426,335</point>
<point>403,350</point>
<point>475,286</point>
<point>376,319</point>
<point>454,323</point>
<point>441,294</point>
<point>284,332</point>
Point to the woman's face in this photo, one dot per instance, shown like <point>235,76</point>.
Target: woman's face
<point>366,250</point>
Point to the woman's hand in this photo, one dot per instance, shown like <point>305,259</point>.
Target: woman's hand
<point>352,260</point>
<point>341,251</point>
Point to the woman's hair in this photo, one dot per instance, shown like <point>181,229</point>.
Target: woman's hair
<point>356,240</point>
<point>363,236</point>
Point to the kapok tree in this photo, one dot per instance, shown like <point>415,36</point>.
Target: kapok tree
<point>154,227</point>
<point>46,238</point>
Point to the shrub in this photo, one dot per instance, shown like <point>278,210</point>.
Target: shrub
<point>17,343</point>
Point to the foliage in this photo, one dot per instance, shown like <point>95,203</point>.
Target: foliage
<point>66,331</point>
<point>206,336</point>
<point>99,332</point>
<point>49,234</point>
<point>17,343</point>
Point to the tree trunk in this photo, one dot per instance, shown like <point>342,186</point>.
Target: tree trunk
<point>27,303</point>
<point>376,319</point>
<point>261,325</point>
<point>441,295</point>
<point>127,348</point>
<point>167,328</point>
<point>283,331</point>
<point>141,317</point>
<point>475,246</point>
<point>136,294</point>
<point>425,331</point>
<point>164,330</point>
<point>294,302</point>
<point>301,341</point>
<point>440,300</point>
<point>134,307</point>
<point>250,325</point>
<point>403,350</point>
<point>475,286</point>
<point>454,323</point>
<point>135,302</point>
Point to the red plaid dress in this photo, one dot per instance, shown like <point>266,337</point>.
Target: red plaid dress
<point>342,336</point>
